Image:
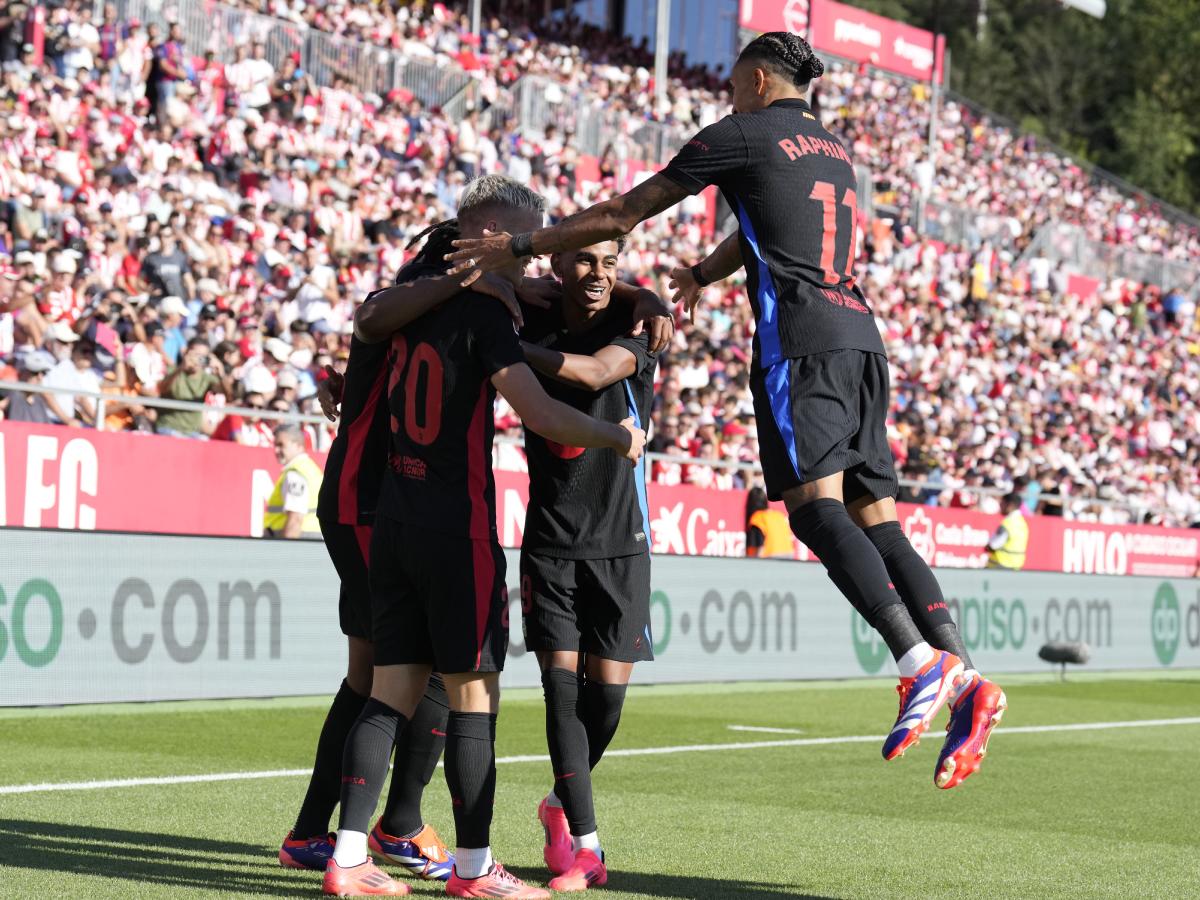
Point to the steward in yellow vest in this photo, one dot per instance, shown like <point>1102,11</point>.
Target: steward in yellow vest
<point>768,532</point>
<point>1006,549</point>
<point>292,508</point>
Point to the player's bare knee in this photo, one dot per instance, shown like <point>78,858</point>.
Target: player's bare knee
<point>400,687</point>
<point>827,488</point>
<point>571,660</point>
<point>474,692</point>
<point>868,512</point>
<point>608,671</point>
<point>361,664</point>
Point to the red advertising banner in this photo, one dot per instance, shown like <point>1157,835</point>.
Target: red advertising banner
<point>53,477</point>
<point>775,15</point>
<point>865,37</point>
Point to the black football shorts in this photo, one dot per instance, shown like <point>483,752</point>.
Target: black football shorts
<point>600,607</point>
<point>437,599</point>
<point>348,547</point>
<point>825,413</point>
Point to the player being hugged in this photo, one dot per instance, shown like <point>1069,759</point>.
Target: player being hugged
<point>819,374</point>
<point>437,571</point>
<point>349,495</point>
<point>585,554</point>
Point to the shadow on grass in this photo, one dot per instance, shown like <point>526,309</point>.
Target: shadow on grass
<point>683,887</point>
<point>139,857</point>
<point>213,865</point>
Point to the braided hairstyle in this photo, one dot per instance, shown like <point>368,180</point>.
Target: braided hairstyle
<point>433,254</point>
<point>788,55</point>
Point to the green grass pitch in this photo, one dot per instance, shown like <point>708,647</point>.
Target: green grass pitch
<point>1072,813</point>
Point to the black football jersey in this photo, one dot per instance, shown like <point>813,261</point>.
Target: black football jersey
<point>792,186</point>
<point>359,452</point>
<point>589,504</point>
<point>440,396</point>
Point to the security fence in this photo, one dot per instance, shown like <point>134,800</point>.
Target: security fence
<point>222,29</point>
<point>1060,242</point>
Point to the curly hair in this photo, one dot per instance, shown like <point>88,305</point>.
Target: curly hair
<point>786,54</point>
<point>433,253</point>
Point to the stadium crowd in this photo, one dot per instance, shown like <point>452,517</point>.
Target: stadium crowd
<point>175,225</point>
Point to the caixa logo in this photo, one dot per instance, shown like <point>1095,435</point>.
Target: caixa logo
<point>34,623</point>
<point>1170,625</point>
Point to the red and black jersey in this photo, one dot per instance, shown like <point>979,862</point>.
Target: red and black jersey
<point>441,422</point>
<point>589,504</point>
<point>792,185</point>
<point>358,455</point>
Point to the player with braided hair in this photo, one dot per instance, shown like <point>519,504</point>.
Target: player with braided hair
<point>786,54</point>
<point>819,375</point>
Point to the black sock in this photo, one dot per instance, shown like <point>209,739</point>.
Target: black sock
<point>601,706</point>
<point>418,750</point>
<point>855,566</point>
<point>325,784</point>
<point>365,763</point>
<point>918,588</point>
<point>567,739</point>
<point>471,775</point>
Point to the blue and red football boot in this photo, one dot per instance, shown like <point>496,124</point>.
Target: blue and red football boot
<point>423,854</point>
<point>310,853</point>
<point>977,711</point>
<point>920,699</point>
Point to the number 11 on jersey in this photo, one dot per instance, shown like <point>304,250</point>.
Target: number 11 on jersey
<point>826,194</point>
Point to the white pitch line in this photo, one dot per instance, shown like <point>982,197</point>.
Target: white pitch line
<point>765,729</point>
<point>538,757</point>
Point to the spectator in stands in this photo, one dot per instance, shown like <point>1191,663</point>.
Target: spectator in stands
<point>167,270</point>
<point>250,431</point>
<point>196,375</point>
<point>1006,374</point>
<point>74,372</point>
<point>24,407</point>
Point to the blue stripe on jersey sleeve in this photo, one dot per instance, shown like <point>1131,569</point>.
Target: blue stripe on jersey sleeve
<point>639,469</point>
<point>767,326</point>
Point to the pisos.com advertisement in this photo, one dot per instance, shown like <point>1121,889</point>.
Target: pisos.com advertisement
<point>88,617</point>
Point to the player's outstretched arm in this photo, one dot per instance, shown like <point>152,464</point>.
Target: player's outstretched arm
<point>605,221</point>
<point>718,265</point>
<point>387,311</point>
<point>561,423</point>
<point>606,366</point>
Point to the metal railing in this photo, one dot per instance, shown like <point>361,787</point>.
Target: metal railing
<point>751,472</point>
<point>1046,145</point>
<point>534,102</point>
<point>370,68</point>
<point>953,224</point>
<point>1060,242</point>
<point>102,401</point>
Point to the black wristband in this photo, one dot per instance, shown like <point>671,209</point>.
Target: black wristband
<point>699,276</point>
<point>522,244</point>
